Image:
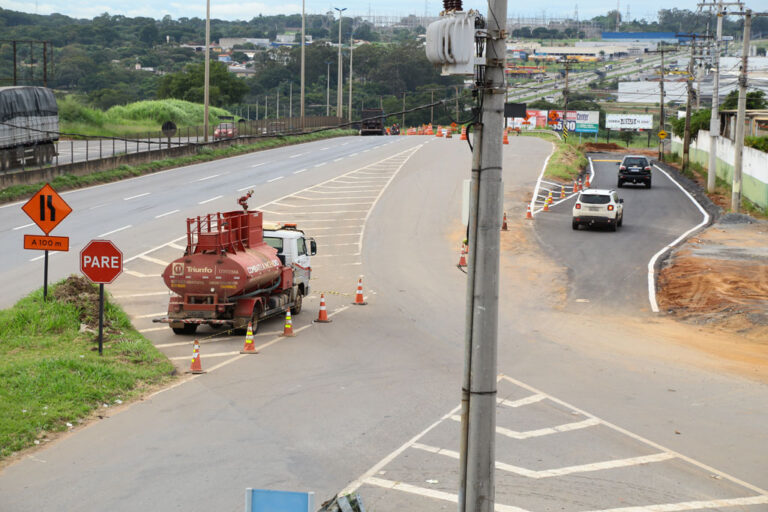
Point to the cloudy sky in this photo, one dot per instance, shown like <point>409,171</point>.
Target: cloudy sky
<point>246,9</point>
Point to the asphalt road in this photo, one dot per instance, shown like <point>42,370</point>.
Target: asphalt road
<point>609,270</point>
<point>595,415</point>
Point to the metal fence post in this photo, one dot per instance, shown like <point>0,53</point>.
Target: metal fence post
<point>101,156</point>
<point>71,151</point>
<point>86,149</point>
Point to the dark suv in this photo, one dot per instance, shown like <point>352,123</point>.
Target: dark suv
<point>635,169</point>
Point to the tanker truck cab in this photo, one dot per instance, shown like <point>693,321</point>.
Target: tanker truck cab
<point>294,249</point>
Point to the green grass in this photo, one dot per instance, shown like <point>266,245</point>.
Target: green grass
<point>51,374</point>
<point>567,161</point>
<point>206,154</point>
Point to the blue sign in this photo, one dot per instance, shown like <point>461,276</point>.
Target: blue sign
<point>264,500</point>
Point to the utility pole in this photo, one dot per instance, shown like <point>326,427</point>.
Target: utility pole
<point>432,109</point>
<point>741,112</point>
<point>478,412</point>
<point>303,59</point>
<point>403,110</point>
<point>328,91</point>
<point>290,100</point>
<point>207,67</point>
<point>661,107</point>
<point>689,88</point>
<point>340,81</point>
<point>277,99</point>
<point>351,51</point>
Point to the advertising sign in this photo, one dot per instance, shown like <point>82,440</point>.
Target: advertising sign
<point>587,121</point>
<point>537,119</point>
<point>629,121</point>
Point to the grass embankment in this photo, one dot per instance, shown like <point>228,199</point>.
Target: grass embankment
<point>68,182</point>
<point>135,118</point>
<point>566,162</point>
<point>51,375</point>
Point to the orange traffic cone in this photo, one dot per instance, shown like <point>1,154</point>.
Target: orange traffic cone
<point>249,347</point>
<point>505,140</point>
<point>549,198</point>
<point>575,186</point>
<point>504,223</point>
<point>528,214</point>
<point>359,300</point>
<point>463,133</point>
<point>322,317</point>
<point>581,187</point>
<point>546,206</point>
<point>288,330</point>
<point>449,133</point>
<point>196,367</point>
<point>463,257</point>
<point>562,192</point>
<point>586,181</point>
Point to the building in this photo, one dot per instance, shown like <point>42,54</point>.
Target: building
<point>227,43</point>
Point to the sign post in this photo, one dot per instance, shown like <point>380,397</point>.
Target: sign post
<point>46,209</point>
<point>101,262</point>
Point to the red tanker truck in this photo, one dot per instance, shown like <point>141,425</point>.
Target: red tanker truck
<point>235,270</point>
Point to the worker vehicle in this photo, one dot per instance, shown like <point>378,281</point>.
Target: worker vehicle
<point>29,126</point>
<point>237,270</point>
<point>598,207</point>
<point>373,122</point>
<point>634,169</point>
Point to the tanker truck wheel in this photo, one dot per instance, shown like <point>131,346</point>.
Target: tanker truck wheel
<point>297,304</point>
<point>187,329</point>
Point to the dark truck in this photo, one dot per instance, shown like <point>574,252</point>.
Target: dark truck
<point>29,126</point>
<point>373,122</point>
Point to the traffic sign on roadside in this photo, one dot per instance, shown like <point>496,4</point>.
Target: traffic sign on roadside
<point>101,261</point>
<point>662,134</point>
<point>47,208</point>
<point>46,243</point>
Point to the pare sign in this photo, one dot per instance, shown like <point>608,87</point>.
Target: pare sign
<point>101,261</point>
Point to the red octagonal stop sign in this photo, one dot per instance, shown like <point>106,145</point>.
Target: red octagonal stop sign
<point>101,261</point>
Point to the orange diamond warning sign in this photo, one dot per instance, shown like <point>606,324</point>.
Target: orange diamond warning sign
<point>47,208</point>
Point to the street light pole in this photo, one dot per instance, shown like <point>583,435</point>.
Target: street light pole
<point>351,49</point>
<point>328,90</point>
<point>740,115</point>
<point>340,81</point>
<point>303,57</point>
<point>206,86</point>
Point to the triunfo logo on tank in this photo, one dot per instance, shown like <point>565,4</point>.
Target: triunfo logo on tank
<point>200,270</point>
<point>177,269</point>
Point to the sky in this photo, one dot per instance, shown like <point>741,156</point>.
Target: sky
<point>247,9</point>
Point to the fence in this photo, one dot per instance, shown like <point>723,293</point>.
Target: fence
<point>754,168</point>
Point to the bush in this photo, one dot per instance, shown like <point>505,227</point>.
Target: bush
<point>759,143</point>
<point>183,113</point>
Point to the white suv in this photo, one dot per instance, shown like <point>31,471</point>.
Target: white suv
<point>602,207</point>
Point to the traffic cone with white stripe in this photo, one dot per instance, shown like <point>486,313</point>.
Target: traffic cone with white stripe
<point>562,192</point>
<point>288,330</point>
<point>449,133</point>
<point>463,257</point>
<point>504,223</point>
<point>528,214</point>
<point>581,187</point>
<point>575,186</point>
<point>586,181</point>
<point>196,367</point>
<point>463,133</point>
<point>322,317</point>
<point>505,140</point>
<point>359,299</point>
<point>249,347</point>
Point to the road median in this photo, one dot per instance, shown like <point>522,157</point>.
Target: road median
<point>51,376</point>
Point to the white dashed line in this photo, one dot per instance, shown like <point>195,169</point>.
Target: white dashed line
<point>339,159</point>
<point>249,187</point>
<point>275,179</point>
<point>24,226</point>
<point>297,155</point>
<point>211,199</point>
<point>258,165</point>
<point>324,149</point>
<point>300,171</point>
<point>209,177</point>
<point>166,214</point>
<point>113,231</point>
<point>51,253</point>
<point>136,196</point>
<point>320,164</point>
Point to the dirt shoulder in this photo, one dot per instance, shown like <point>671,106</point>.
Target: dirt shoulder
<point>719,278</point>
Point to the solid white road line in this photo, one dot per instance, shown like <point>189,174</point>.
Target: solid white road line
<point>548,473</point>
<point>275,179</point>
<point>523,401</point>
<point>24,226</point>
<point>693,505</point>
<point>139,274</point>
<point>567,427</point>
<point>652,263</point>
<point>637,437</point>
<point>430,493</point>
<point>166,214</point>
<point>113,231</point>
<point>153,329</point>
<point>211,199</point>
<point>135,197</point>
<point>209,177</point>
<point>151,315</point>
<point>153,260</point>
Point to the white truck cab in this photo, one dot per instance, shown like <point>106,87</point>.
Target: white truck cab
<point>294,249</point>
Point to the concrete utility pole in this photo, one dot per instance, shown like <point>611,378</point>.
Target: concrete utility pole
<point>303,59</point>
<point>340,81</point>
<point>328,90</point>
<point>741,112</point>
<point>714,120</point>
<point>478,413</point>
<point>403,125</point>
<point>351,51</point>
<point>689,88</point>
<point>290,100</point>
<point>207,78</point>
<point>661,108</point>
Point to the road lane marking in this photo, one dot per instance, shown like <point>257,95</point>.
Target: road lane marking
<point>538,397</point>
<point>324,149</point>
<point>692,505</point>
<point>320,205</point>
<point>139,274</point>
<point>136,196</point>
<point>166,214</point>
<point>50,254</point>
<point>339,159</point>
<point>300,171</point>
<point>211,199</point>
<point>153,260</point>
<point>528,434</point>
<point>548,473</point>
<point>258,165</point>
<point>209,177</point>
<point>97,206</point>
<point>297,155</point>
<point>640,438</point>
<point>606,160</point>
<point>320,164</point>
<point>151,315</point>
<point>431,493</point>
<point>249,187</point>
<point>153,329</point>
<point>216,354</point>
<point>171,245</point>
<point>113,231</point>
<point>275,179</point>
<point>652,263</point>
<point>134,295</point>
<point>24,226</point>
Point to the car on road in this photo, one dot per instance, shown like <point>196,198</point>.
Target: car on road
<point>225,131</point>
<point>635,169</point>
<point>596,207</point>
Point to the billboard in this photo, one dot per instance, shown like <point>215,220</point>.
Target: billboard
<point>629,121</point>
<point>587,121</point>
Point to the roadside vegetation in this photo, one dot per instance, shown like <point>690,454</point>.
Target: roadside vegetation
<point>206,154</point>
<point>568,159</point>
<point>51,375</point>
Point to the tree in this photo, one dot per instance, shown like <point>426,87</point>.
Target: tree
<point>755,100</point>
<point>226,88</point>
<point>627,136</point>
<point>148,34</point>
